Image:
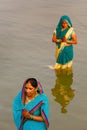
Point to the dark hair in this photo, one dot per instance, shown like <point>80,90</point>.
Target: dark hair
<point>33,82</point>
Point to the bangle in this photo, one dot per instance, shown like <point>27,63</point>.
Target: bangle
<point>69,41</point>
<point>31,117</point>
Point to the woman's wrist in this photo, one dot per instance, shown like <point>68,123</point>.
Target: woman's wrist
<point>31,117</point>
<point>68,41</point>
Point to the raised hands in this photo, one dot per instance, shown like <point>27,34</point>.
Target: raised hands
<point>25,113</point>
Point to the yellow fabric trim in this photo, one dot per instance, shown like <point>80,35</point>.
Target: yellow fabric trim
<point>63,43</point>
<point>69,32</point>
<point>54,32</point>
<point>67,65</point>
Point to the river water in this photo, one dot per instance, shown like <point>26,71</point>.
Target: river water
<point>26,50</point>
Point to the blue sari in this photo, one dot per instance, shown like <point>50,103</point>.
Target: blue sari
<point>38,106</point>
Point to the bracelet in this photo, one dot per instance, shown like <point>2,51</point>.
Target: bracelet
<point>69,41</point>
<point>31,117</point>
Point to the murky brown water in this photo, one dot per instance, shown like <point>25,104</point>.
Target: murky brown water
<point>26,51</point>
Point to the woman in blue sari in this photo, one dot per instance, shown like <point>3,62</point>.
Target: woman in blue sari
<point>31,107</point>
<point>64,36</point>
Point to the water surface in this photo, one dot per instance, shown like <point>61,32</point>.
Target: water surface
<point>26,50</point>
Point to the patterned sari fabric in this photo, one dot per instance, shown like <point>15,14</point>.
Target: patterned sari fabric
<point>64,54</point>
<point>38,106</point>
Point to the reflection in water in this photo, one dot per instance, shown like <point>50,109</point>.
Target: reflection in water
<point>62,91</point>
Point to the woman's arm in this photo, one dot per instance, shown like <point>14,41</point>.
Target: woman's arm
<point>54,38</point>
<point>73,41</point>
<point>36,118</point>
<point>27,115</point>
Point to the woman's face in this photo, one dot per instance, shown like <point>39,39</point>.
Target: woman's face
<point>30,90</point>
<point>64,24</point>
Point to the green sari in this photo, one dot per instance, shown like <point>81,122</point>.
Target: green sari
<point>64,54</point>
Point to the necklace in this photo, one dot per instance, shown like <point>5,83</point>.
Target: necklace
<point>27,100</point>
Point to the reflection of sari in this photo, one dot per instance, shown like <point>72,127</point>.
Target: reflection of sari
<point>63,92</point>
<point>37,106</point>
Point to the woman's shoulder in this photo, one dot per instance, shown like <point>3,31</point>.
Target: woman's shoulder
<point>72,30</point>
<point>18,95</point>
<point>44,96</point>
<point>54,32</point>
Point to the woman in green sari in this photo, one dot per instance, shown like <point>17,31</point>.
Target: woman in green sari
<point>64,36</point>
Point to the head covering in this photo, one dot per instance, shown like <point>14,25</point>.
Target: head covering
<point>40,91</point>
<point>59,25</point>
